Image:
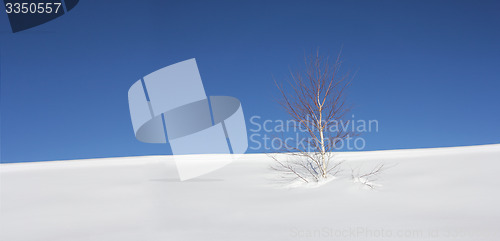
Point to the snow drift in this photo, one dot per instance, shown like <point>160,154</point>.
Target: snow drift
<point>426,194</point>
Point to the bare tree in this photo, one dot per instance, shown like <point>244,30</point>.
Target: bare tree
<point>367,178</point>
<point>315,98</point>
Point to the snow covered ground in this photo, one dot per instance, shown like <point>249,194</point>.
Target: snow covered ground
<point>426,194</point>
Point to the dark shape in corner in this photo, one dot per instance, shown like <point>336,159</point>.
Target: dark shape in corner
<point>70,4</point>
<point>22,21</point>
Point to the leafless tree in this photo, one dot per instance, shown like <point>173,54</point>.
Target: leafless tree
<point>367,178</point>
<point>315,98</point>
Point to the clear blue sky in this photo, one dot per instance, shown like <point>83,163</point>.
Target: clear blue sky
<point>428,71</point>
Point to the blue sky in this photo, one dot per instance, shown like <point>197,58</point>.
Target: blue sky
<point>426,70</point>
